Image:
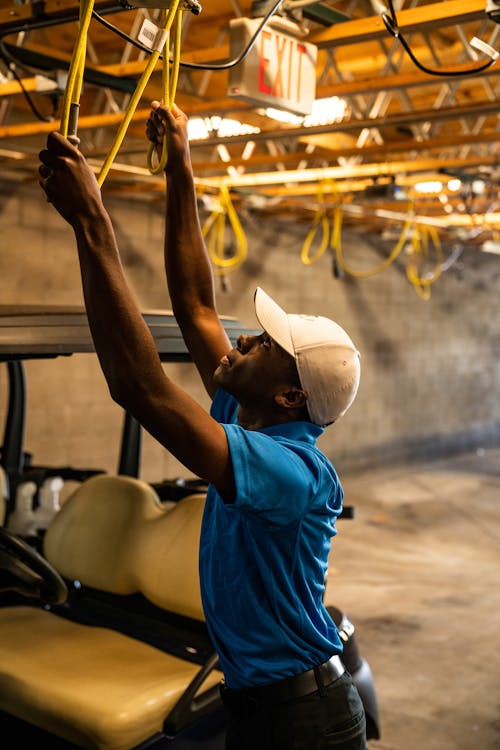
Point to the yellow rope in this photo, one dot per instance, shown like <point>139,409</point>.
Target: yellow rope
<point>168,17</point>
<point>320,220</point>
<point>386,262</point>
<point>72,93</point>
<point>419,256</point>
<point>214,230</point>
<point>169,88</point>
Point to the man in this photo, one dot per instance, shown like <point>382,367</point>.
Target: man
<point>273,497</point>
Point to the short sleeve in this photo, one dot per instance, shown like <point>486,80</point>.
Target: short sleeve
<point>275,479</point>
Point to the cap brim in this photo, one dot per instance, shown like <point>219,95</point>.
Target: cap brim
<point>273,320</point>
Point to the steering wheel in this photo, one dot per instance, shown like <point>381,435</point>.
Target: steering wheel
<point>24,570</point>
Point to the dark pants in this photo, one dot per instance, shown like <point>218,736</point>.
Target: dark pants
<point>330,717</point>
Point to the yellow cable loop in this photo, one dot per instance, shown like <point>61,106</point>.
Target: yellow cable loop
<point>169,87</point>
<point>214,232</point>
<point>420,246</point>
<point>69,115</point>
<point>387,261</point>
<point>320,220</point>
<point>169,17</point>
<point>336,237</point>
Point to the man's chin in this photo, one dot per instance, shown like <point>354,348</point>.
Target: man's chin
<point>222,379</point>
<point>219,376</point>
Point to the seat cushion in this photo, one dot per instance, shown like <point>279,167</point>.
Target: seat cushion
<point>93,686</point>
<point>115,535</point>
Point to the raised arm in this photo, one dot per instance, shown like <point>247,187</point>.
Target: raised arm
<point>189,272</point>
<point>123,342</point>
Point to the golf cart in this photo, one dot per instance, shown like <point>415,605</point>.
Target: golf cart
<point>103,643</point>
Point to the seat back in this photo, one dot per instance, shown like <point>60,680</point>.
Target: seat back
<point>114,534</point>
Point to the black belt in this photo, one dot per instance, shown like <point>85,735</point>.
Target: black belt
<point>291,687</point>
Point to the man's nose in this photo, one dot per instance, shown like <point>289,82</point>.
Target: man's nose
<point>245,342</point>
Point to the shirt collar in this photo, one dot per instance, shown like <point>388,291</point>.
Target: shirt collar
<point>307,432</point>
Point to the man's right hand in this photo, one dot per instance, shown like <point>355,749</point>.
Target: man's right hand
<point>173,123</point>
<point>68,180</point>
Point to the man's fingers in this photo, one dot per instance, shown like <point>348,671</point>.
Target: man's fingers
<point>44,171</point>
<point>59,144</point>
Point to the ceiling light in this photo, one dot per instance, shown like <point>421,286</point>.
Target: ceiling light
<point>224,154</point>
<point>490,246</point>
<point>248,150</point>
<point>283,116</point>
<point>454,185</point>
<point>323,112</point>
<point>429,186</point>
<point>202,128</point>
<point>326,111</point>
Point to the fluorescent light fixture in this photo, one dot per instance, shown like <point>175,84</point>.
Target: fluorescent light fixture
<point>224,154</point>
<point>429,186</point>
<point>202,128</point>
<point>490,246</point>
<point>324,112</point>
<point>454,185</point>
<point>281,115</point>
<point>248,150</point>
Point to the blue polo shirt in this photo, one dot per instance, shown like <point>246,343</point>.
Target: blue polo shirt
<point>264,556</point>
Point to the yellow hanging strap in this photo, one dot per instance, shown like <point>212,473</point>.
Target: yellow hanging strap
<point>418,257</point>
<point>387,261</point>
<point>168,17</point>
<point>169,88</point>
<point>336,235</point>
<point>72,93</point>
<point>320,221</point>
<point>214,231</point>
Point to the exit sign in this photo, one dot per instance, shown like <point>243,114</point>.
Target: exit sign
<point>279,71</point>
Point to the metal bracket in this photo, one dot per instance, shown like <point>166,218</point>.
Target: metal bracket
<point>191,5</point>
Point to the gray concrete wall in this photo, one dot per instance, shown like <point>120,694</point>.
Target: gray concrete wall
<point>430,368</point>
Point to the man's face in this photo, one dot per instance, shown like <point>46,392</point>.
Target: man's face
<point>257,368</point>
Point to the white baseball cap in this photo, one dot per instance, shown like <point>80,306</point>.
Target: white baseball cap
<point>327,360</point>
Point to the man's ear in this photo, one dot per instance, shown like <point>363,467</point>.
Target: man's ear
<point>291,398</point>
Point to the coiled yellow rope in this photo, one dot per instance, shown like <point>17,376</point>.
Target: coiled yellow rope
<point>169,88</point>
<point>69,116</point>
<point>321,220</point>
<point>214,231</point>
<point>168,17</point>
<point>423,238</point>
<point>72,93</point>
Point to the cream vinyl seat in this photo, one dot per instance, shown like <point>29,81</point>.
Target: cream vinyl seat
<point>89,683</point>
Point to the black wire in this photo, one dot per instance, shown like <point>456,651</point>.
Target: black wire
<point>10,63</point>
<point>391,24</point>
<point>195,66</point>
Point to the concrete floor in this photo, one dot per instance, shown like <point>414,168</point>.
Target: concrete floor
<point>418,572</point>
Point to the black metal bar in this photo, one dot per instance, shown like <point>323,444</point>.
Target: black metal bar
<point>13,438</point>
<point>41,19</point>
<point>34,59</point>
<point>130,451</point>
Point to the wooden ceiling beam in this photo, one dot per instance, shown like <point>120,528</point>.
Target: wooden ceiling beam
<point>324,153</point>
<point>375,170</point>
<point>423,18</point>
<point>208,108</point>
